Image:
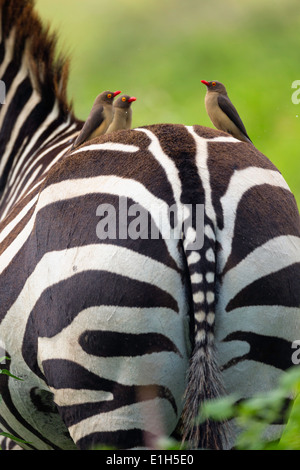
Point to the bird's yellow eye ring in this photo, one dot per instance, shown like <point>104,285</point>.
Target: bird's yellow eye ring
<point>213,83</point>
<point>109,95</point>
<point>123,99</point>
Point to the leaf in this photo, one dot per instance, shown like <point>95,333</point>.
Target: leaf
<point>168,443</point>
<point>6,372</point>
<point>13,438</point>
<point>219,409</point>
<point>5,358</point>
<point>291,379</point>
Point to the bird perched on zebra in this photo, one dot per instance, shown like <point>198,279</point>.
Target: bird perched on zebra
<point>222,112</point>
<point>99,119</point>
<point>122,118</point>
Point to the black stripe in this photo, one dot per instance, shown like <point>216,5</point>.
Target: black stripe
<point>122,439</point>
<point>279,288</point>
<point>64,225</point>
<point>62,302</point>
<point>224,159</point>
<point>179,145</point>
<point>62,374</point>
<point>18,102</point>
<point>276,352</point>
<point>17,229</point>
<point>276,214</point>
<point>139,166</point>
<point>111,343</point>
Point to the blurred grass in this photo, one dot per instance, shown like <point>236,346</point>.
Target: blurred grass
<point>159,50</point>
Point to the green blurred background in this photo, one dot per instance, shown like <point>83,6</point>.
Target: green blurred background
<point>159,50</point>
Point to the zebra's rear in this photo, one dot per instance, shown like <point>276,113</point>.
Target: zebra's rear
<point>108,311</point>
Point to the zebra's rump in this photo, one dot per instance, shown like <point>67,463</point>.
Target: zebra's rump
<point>103,299</point>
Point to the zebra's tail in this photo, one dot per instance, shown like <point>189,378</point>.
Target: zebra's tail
<point>203,381</point>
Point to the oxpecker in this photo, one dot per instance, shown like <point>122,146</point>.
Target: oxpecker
<point>221,111</point>
<point>122,114</point>
<point>100,117</point>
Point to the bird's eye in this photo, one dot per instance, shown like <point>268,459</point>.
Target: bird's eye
<point>109,95</point>
<point>123,99</point>
<point>213,83</point>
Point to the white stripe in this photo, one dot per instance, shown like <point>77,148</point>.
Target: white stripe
<point>9,47</point>
<point>23,162</point>
<point>172,174</point>
<point>241,181</point>
<point>274,255</point>
<point>64,345</point>
<point>9,227</point>
<point>203,171</point>
<point>120,187</point>
<point>30,181</point>
<point>115,147</point>
<point>208,231</point>
<point>67,396</point>
<point>57,266</point>
<point>5,194</point>
<point>116,259</point>
<point>224,139</point>
<point>22,430</point>
<point>22,117</point>
<point>21,75</point>
<point>18,183</point>
<point>16,244</point>
<point>35,186</point>
<point>139,415</point>
<point>166,163</point>
<point>101,184</point>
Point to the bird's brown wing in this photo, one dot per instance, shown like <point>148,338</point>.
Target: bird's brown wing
<point>228,108</point>
<point>93,121</point>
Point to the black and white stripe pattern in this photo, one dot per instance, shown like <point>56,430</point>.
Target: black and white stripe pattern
<point>120,340</point>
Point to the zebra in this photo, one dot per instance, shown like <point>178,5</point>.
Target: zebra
<point>119,341</point>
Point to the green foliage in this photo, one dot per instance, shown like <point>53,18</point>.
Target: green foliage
<point>13,438</point>
<point>253,416</point>
<point>168,443</point>
<point>6,372</point>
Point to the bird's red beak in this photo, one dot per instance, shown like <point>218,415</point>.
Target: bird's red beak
<point>131,99</point>
<point>116,93</point>
<point>205,82</point>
